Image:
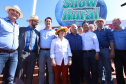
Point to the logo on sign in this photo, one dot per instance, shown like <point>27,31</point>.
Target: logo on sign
<point>80,10</point>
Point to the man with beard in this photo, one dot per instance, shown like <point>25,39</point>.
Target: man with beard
<point>28,50</point>
<point>9,32</point>
<point>106,40</point>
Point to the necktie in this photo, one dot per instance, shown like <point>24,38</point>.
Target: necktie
<point>30,44</point>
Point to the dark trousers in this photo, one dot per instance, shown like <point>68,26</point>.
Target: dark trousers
<point>26,64</point>
<point>58,69</point>
<point>120,64</point>
<point>75,68</point>
<point>90,64</point>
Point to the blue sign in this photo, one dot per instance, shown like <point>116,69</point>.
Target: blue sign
<point>68,12</point>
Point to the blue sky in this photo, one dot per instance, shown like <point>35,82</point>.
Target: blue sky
<point>46,8</point>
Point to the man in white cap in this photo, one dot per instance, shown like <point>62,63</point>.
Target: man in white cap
<point>106,40</point>
<point>9,32</point>
<point>28,50</point>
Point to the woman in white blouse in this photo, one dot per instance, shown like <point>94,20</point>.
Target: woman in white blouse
<point>60,54</point>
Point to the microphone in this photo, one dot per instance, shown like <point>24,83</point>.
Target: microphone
<point>123,4</point>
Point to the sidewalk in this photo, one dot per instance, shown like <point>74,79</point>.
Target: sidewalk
<point>35,76</point>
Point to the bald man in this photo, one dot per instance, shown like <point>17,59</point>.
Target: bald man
<point>75,41</point>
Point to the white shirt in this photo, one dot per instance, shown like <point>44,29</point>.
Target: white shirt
<point>46,37</point>
<point>60,50</point>
<point>90,41</point>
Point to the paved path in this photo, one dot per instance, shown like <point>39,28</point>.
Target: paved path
<point>35,77</point>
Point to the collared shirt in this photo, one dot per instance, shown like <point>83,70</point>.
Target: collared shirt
<point>105,36</point>
<point>90,41</point>
<point>33,39</point>
<point>120,38</point>
<point>8,34</point>
<point>46,37</point>
<point>75,41</point>
<point>60,50</point>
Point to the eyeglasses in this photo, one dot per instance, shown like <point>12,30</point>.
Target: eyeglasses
<point>35,21</point>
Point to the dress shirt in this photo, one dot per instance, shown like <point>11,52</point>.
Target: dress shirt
<point>46,37</point>
<point>8,34</point>
<point>75,41</point>
<point>120,38</point>
<point>60,50</point>
<point>105,36</point>
<point>33,39</point>
<point>90,41</point>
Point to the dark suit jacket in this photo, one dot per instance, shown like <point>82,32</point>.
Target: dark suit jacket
<point>23,38</point>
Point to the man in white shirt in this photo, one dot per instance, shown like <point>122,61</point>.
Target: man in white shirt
<point>46,37</point>
<point>90,47</point>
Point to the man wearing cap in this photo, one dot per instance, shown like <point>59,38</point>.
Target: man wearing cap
<point>90,47</point>
<point>60,54</point>
<point>119,34</point>
<point>46,37</point>
<point>106,40</point>
<point>75,41</point>
<point>28,50</point>
<point>9,32</point>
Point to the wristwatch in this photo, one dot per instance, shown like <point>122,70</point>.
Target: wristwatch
<point>70,57</point>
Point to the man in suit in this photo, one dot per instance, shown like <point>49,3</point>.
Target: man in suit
<point>28,50</point>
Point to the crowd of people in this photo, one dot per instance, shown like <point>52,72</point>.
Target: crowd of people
<point>86,49</point>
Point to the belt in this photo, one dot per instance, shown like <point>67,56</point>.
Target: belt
<point>7,51</point>
<point>120,50</point>
<point>76,51</point>
<point>88,50</point>
<point>44,48</point>
<point>104,47</point>
<point>30,50</point>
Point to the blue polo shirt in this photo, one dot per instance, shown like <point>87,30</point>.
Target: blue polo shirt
<point>75,41</point>
<point>33,39</point>
<point>8,34</point>
<point>105,36</point>
<point>120,38</point>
